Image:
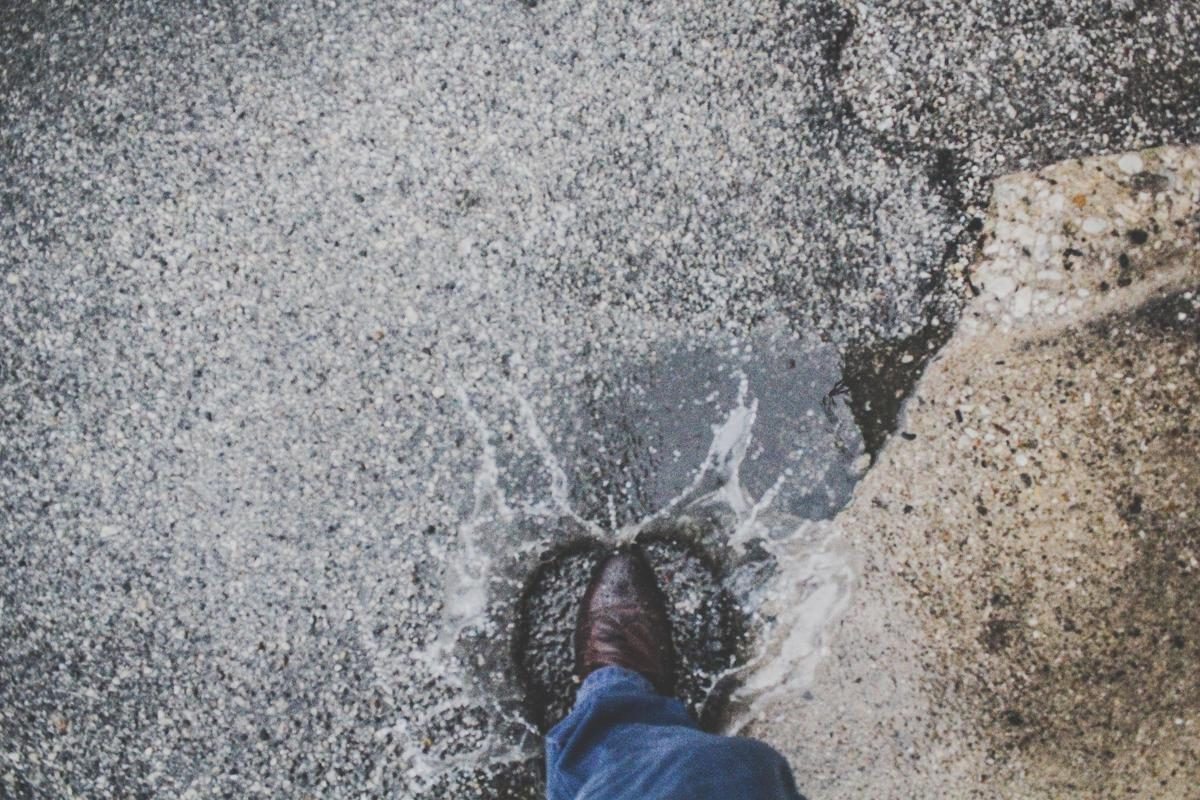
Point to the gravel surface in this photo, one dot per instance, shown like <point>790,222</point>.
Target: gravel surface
<point>320,322</point>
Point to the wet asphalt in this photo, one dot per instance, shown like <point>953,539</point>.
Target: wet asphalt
<point>276,279</point>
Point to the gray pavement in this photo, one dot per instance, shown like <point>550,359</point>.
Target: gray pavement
<point>320,322</point>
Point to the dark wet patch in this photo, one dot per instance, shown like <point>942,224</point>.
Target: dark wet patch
<point>646,427</point>
<point>708,628</point>
<point>1149,182</point>
<point>998,634</point>
<point>542,651</point>
<point>878,377</point>
<point>531,676</point>
<point>1132,660</point>
<point>946,169</point>
<point>1175,313</point>
<point>842,24</point>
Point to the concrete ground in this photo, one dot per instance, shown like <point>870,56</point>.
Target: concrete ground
<point>1025,624</point>
<point>320,322</point>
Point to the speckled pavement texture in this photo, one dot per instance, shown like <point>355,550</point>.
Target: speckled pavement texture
<point>320,321</point>
<point>1035,518</point>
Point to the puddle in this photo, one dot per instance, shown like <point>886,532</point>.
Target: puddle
<point>643,432</point>
<point>747,452</point>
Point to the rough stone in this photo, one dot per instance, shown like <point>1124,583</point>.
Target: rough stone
<point>1025,622</point>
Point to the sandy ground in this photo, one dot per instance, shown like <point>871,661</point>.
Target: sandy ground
<point>1025,625</point>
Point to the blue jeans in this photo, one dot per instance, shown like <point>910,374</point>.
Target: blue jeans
<point>623,741</point>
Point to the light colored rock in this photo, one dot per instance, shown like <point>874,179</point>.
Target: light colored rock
<point>1131,163</point>
<point>1022,302</point>
<point>1001,286</point>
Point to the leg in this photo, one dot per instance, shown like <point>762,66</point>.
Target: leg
<point>624,741</point>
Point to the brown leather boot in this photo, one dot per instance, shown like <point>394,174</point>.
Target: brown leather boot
<point>623,622</point>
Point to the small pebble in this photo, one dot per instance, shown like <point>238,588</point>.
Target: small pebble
<point>1131,164</point>
<point>1022,303</point>
<point>1001,286</point>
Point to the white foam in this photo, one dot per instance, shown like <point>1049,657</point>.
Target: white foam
<point>811,590</point>
<point>558,488</point>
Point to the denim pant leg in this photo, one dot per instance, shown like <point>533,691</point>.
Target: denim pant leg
<point>623,741</point>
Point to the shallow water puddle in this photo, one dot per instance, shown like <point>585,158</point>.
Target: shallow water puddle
<point>726,465</point>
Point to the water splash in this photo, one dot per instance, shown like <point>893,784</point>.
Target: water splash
<point>559,493</point>
<point>718,479</point>
<point>811,587</point>
<point>808,584</point>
